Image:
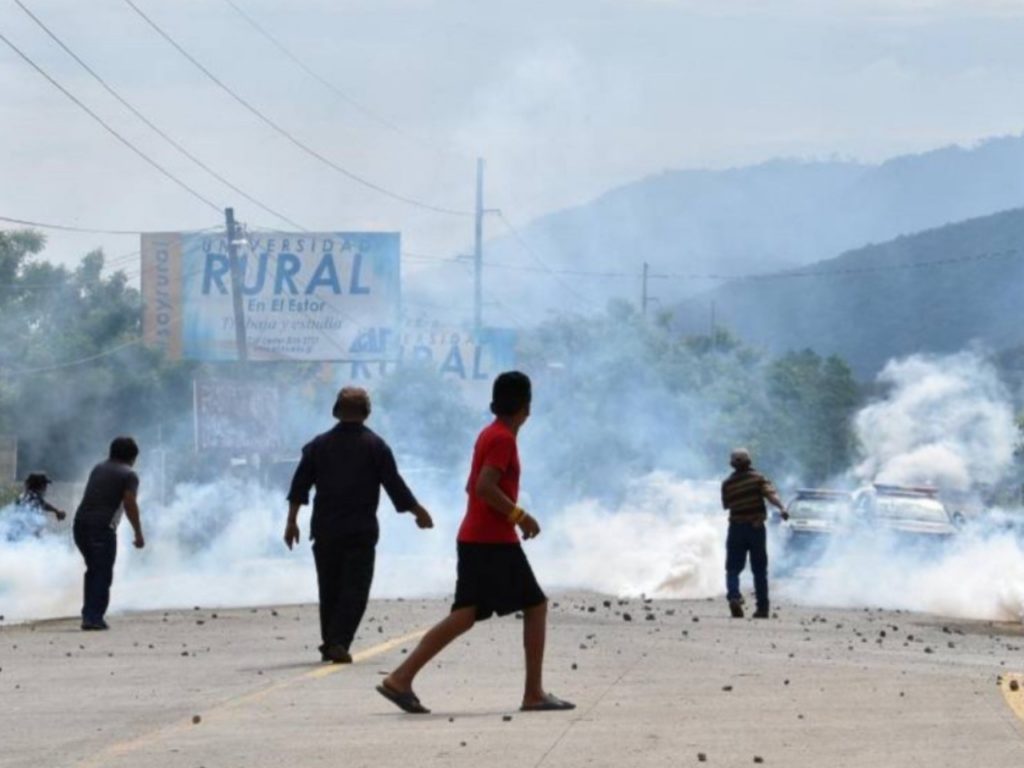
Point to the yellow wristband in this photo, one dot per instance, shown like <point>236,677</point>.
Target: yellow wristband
<point>517,514</point>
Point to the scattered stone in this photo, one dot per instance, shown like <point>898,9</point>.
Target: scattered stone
<point>726,688</point>
<point>507,718</point>
<point>273,613</point>
<point>462,743</point>
<point>451,719</point>
<point>1014,686</point>
<point>574,665</point>
<point>626,617</point>
<point>758,759</point>
<point>196,719</point>
<point>607,604</point>
<point>649,617</point>
<point>696,619</point>
<point>200,622</point>
<point>701,757</point>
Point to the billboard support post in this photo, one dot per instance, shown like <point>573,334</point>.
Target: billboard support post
<point>236,285</point>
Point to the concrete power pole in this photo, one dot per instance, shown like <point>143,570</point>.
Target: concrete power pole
<point>478,248</point>
<point>643,292</point>
<point>241,343</point>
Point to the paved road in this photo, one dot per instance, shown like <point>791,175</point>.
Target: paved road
<point>678,681</point>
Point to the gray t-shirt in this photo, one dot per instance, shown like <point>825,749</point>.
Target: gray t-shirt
<point>101,502</point>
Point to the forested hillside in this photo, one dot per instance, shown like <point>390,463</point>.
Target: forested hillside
<point>937,291</point>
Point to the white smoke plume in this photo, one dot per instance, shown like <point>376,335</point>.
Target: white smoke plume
<point>666,539</point>
<point>947,421</point>
<point>944,420</point>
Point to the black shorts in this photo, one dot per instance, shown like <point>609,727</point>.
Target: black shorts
<point>496,579</point>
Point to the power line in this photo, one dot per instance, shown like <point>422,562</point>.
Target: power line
<point>159,131</point>
<point>362,108</point>
<point>113,132</point>
<point>291,138</point>
<point>73,363</point>
<point>86,230</point>
<point>937,263</point>
<point>544,265</point>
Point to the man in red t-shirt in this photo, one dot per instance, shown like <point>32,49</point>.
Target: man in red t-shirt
<point>494,575</point>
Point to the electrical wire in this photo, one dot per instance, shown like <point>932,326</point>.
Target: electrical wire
<point>359,107</point>
<point>71,363</point>
<point>284,133</point>
<point>544,265</point>
<point>92,230</point>
<point>150,161</point>
<point>153,126</point>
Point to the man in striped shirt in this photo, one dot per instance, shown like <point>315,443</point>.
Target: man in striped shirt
<point>744,493</point>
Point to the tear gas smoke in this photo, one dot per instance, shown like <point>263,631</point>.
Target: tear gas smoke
<point>943,419</point>
<point>946,421</point>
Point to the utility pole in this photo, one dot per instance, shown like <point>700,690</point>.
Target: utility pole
<point>478,248</point>
<point>643,293</point>
<point>645,297</point>
<point>241,343</point>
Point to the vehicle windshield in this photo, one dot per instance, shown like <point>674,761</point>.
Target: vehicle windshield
<point>818,509</point>
<point>914,509</point>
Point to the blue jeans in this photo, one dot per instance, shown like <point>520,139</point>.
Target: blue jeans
<point>747,538</point>
<point>98,546</point>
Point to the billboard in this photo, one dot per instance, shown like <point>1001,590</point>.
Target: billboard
<point>237,416</point>
<point>326,296</point>
<point>468,359</point>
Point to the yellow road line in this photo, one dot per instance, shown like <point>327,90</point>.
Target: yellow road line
<point>1014,698</point>
<point>131,745</point>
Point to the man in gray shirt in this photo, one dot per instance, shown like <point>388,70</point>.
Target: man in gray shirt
<point>110,492</point>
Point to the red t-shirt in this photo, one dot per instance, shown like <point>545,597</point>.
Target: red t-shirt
<point>495,447</point>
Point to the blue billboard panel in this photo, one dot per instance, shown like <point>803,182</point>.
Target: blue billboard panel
<point>326,296</point>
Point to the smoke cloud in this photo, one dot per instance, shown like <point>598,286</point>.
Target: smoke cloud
<point>947,421</point>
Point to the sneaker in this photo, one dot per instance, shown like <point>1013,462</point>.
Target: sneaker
<point>736,608</point>
<point>94,626</point>
<point>336,654</point>
<point>762,613</point>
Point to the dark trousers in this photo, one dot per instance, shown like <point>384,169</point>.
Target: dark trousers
<point>344,573</point>
<point>98,546</point>
<point>743,539</point>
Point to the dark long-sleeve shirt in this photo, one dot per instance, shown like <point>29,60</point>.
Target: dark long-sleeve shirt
<point>348,465</point>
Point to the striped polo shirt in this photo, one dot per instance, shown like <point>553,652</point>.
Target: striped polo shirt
<point>743,494</point>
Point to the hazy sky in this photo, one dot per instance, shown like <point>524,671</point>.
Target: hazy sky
<point>565,99</point>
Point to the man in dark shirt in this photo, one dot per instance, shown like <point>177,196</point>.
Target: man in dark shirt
<point>112,490</point>
<point>743,494</point>
<point>347,465</point>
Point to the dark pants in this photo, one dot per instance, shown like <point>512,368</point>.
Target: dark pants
<point>344,573</point>
<point>747,538</point>
<point>99,548</point>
